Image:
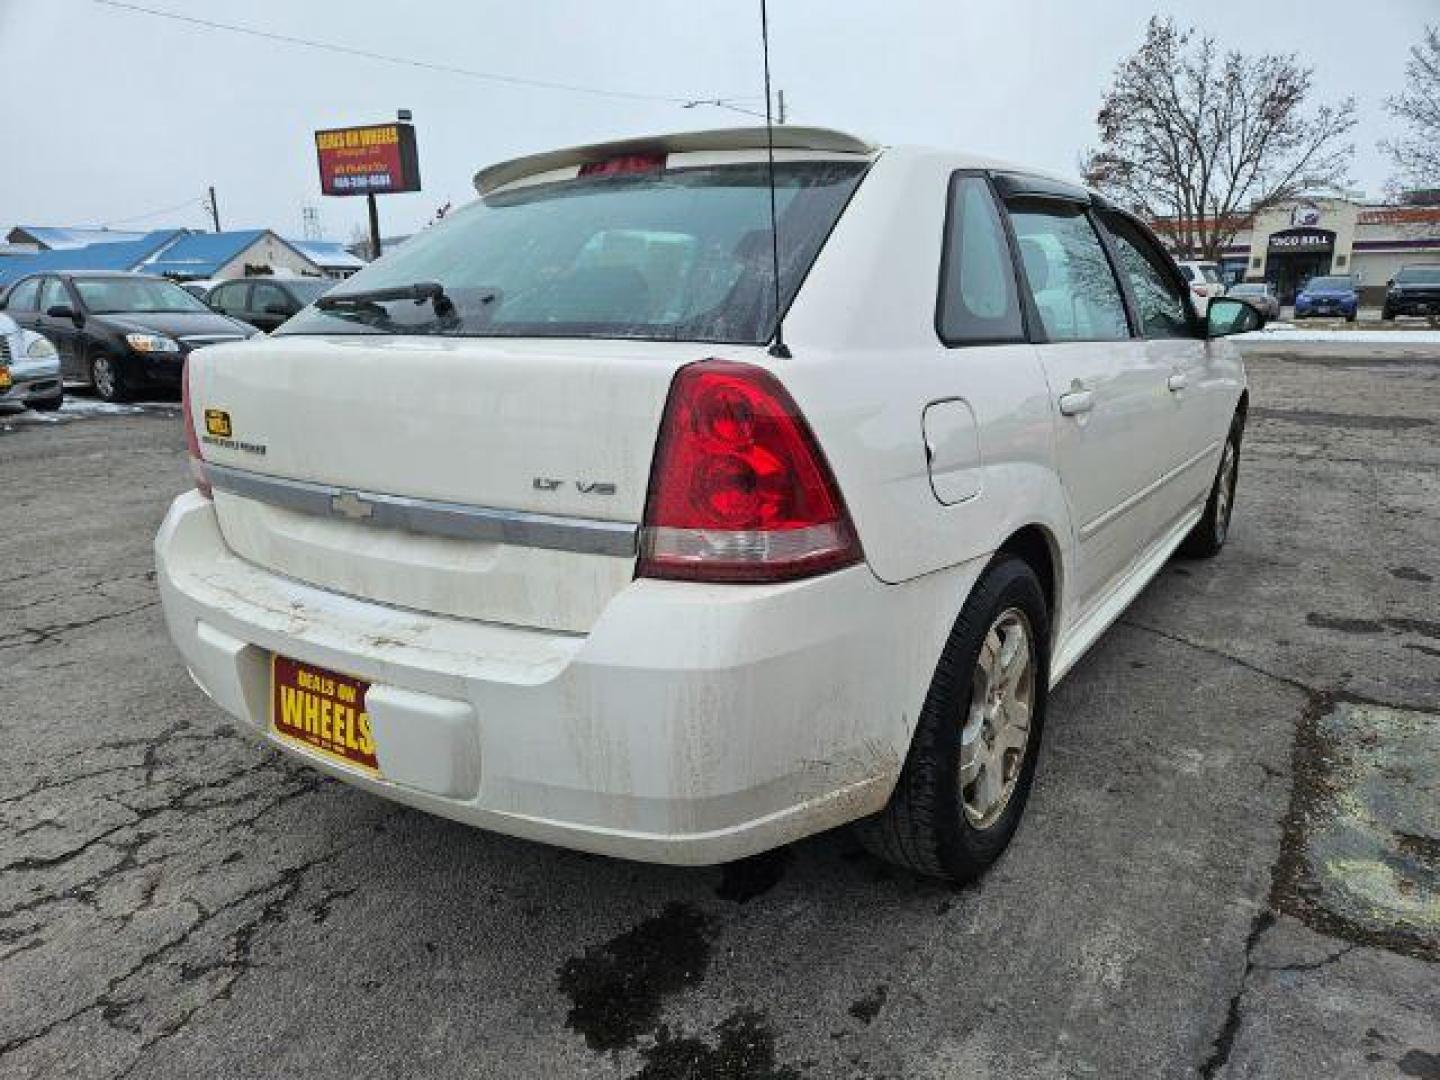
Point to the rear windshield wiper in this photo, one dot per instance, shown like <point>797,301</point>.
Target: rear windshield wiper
<point>419,291</point>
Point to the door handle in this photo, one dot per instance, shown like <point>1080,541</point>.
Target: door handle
<point>1076,402</point>
<point>1177,382</point>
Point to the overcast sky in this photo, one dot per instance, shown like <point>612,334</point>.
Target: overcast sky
<point>111,114</point>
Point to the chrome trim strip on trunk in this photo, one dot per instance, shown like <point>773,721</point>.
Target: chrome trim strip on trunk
<point>522,528</point>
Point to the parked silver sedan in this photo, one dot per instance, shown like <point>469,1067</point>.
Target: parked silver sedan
<point>1258,293</point>
<point>29,368</point>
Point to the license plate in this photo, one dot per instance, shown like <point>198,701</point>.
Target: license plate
<point>322,711</point>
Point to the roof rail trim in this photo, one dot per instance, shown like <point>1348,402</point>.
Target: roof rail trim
<point>787,137</point>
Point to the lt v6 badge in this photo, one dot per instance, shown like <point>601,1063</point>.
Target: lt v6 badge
<point>585,487</point>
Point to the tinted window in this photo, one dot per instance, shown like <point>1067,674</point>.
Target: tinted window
<point>1068,274</point>
<point>978,301</point>
<point>265,296</point>
<point>1331,283</point>
<point>52,292</point>
<point>671,254</point>
<point>1158,296</point>
<point>1419,275</point>
<point>229,298</point>
<point>23,296</point>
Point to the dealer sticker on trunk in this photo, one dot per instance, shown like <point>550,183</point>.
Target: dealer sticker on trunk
<point>322,711</point>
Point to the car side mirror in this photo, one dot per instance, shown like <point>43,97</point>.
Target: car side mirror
<point>1232,315</point>
<point>62,311</point>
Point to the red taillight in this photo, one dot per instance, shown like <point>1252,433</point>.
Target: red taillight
<point>626,163</point>
<point>740,490</point>
<point>1198,290</point>
<point>192,441</point>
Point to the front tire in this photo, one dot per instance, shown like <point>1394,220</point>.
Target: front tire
<point>108,379</point>
<point>972,760</point>
<point>1208,536</point>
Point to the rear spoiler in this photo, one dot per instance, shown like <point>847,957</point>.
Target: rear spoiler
<point>787,137</point>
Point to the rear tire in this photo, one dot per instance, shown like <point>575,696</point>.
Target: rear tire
<point>972,759</point>
<point>1208,536</point>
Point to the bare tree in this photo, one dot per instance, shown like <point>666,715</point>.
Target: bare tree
<point>1417,155</point>
<point>1207,138</point>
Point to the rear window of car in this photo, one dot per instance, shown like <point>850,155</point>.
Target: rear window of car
<point>1339,283</point>
<point>678,254</point>
<point>1419,275</point>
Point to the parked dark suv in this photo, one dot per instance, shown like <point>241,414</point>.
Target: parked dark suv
<point>1415,290</point>
<point>266,302</point>
<point>116,331</point>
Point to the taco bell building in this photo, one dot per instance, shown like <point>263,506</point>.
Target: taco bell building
<point>1315,235</point>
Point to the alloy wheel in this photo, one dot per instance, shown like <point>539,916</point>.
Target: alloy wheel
<point>102,374</point>
<point>996,728</point>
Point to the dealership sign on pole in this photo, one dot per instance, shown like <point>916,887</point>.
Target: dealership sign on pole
<point>378,159</point>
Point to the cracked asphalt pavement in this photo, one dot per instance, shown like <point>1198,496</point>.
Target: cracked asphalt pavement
<point>1230,866</point>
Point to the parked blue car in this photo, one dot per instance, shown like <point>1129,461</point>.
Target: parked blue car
<point>1328,296</point>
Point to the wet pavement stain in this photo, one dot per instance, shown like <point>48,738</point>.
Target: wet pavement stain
<point>1420,1064</point>
<point>1357,421</point>
<point>1409,573</point>
<point>616,990</point>
<point>1345,626</point>
<point>1424,627</point>
<point>865,1009</point>
<point>1362,838</point>
<point>746,879</point>
<point>744,1049</point>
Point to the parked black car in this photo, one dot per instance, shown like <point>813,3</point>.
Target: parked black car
<point>117,331</point>
<point>1415,290</point>
<point>266,302</point>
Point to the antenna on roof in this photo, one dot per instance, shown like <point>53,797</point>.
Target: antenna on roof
<point>778,348</point>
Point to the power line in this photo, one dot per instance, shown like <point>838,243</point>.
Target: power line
<point>390,58</point>
<point>152,213</point>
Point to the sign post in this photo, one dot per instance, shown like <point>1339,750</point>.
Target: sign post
<point>379,159</point>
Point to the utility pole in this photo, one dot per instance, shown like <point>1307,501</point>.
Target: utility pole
<point>214,209</point>
<point>780,117</point>
<point>374,225</point>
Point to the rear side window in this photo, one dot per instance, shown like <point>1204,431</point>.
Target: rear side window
<point>673,254</point>
<point>1069,276</point>
<point>1161,301</point>
<point>978,297</point>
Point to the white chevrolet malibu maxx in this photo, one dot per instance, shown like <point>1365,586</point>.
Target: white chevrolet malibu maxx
<point>538,524</point>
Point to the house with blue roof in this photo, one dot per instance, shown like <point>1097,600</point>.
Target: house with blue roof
<point>63,238</point>
<point>181,254</point>
<point>117,255</point>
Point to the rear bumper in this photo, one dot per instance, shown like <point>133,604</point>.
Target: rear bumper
<point>694,724</point>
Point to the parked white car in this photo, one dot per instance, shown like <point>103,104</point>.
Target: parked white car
<point>535,523</point>
<point>1204,281</point>
<point>29,369</point>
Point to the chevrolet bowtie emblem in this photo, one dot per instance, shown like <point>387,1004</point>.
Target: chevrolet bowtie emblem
<point>349,505</point>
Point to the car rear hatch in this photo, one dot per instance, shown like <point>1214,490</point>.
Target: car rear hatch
<point>486,454</point>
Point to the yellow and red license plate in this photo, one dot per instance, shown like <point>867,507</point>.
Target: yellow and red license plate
<point>322,711</point>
